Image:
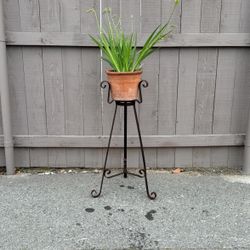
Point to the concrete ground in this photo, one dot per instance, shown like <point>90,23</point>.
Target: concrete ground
<point>55,211</point>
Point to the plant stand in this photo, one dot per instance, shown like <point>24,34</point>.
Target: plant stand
<point>142,172</point>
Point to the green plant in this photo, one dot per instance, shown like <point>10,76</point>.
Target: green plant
<point>120,49</point>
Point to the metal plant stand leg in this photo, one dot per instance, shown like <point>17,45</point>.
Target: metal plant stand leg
<point>105,171</point>
<point>125,171</point>
<point>151,195</point>
<point>142,172</point>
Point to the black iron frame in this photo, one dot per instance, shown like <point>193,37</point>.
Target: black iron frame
<point>142,172</point>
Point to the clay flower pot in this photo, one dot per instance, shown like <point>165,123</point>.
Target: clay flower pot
<point>124,85</point>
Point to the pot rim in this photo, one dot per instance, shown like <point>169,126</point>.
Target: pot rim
<point>111,72</point>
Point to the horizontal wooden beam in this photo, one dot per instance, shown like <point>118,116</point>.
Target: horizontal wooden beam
<point>83,40</point>
<point>149,141</point>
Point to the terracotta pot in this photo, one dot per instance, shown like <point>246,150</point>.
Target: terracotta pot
<point>124,85</point>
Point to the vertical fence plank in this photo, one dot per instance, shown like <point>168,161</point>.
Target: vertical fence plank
<point>50,15</point>
<point>2,154</point>
<point>29,15</point>
<point>16,81</point>
<point>166,9</point>
<point>36,111</point>
<point>186,103</point>
<point>230,16</point>
<point>73,101</point>
<point>70,17</point>
<point>92,103</point>
<point>130,18</point>
<point>190,16</point>
<point>241,97</point>
<point>206,77</point>
<point>91,76</point>
<point>190,22</point>
<point>12,15</point>
<point>168,85</point>
<point>230,20</point>
<point>151,17</point>
<point>240,102</point>
<point>18,102</point>
<point>130,15</point>
<point>241,91</point>
<point>210,16</point>
<point>12,23</point>
<point>88,20</point>
<point>223,102</point>
<point>245,16</point>
<point>34,87</point>
<point>53,80</point>
<point>115,155</point>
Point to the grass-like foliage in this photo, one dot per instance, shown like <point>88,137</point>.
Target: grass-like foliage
<point>120,49</point>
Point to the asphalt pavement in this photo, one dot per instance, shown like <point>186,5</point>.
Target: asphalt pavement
<point>192,210</point>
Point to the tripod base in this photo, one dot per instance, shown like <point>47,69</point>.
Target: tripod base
<point>142,172</point>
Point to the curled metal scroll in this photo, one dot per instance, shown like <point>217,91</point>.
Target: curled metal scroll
<point>144,84</point>
<point>95,194</point>
<point>151,195</point>
<point>103,85</point>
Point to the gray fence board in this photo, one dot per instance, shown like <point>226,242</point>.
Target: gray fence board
<point>230,16</point>
<point>240,104</point>
<point>210,15</point>
<point>18,101</point>
<point>242,77</point>
<point>12,15</point>
<point>223,102</point>
<point>88,21</point>
<point>34,87</point>
<point>72,84</point>
<point>92,102</point>
<point>91,76</point>
<point>16,81</point>
<point>245,17</point>
<point>241,92</point>
<point>206,81</point>
<point>151,16</point>
<point>76,39</point>
<point>157,141</point>
<point>70,15</point>
<point>36,111</point>
<point>115,157</point>
<point>130,15</point>
<point>190,22</point>
<point>168,87</point>
<point>131,20</point>
<point>206,74</point>
<point>50,12</point>
<point>53,79</point>
<point>73,101</point>
<point>166,7</point>
<point>50,15</point>
<point>29,15</point>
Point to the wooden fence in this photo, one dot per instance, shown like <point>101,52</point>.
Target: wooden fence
<point>194,111</point>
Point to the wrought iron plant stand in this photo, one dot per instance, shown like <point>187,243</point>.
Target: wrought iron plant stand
<point>142,172</point>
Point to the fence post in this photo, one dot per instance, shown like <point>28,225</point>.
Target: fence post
<point>5,100</point>
<point>246,164</point>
